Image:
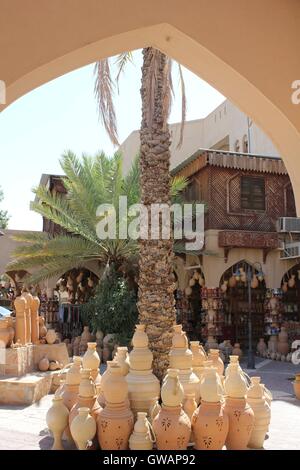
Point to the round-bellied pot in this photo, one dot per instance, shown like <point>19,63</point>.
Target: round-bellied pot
<point>179,339</point>
<point>241,423</point>
<point>115,425</point>
<point>172,428</point>
<point>141,438</point>
<point>44,364</point>
<point>214,355</point>
<point>115,388</point>
<point>210,426</point>
<point>83,428</point>
<point>42,327</point>
<point>91,360</point>
<point>140,338</point>
<point>57,420</point>
<point>104,377</point>
<point>140,359</point>
<point>262,413</point>
<point>122,359</point>
<point>51,336</point>
<point>199,355</point>
<point>172,392</point>
<point>143,389</point>
<point>235,382</point>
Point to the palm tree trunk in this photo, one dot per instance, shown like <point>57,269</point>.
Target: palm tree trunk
<point>156,282</point>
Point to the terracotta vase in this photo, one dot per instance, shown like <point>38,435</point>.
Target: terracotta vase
<point>83,429</point>
<point>181,358</point>
<point>262,413</point>
<point>51,336</point>
<point>214,355</point>
<point>235,383</point>
<point>57,420</point>
<point>104,377</point>
<point>115,425</point>
<point>241,423</point>
<point>28,298</point>
<point>122,359</point>
<point>42,327</point>
<point>5,333</point>
<point>261,346</point>
<point>140,359</point>
<point>115,388</point>
<point>210,425</point>
<point>140,338</point>
<point>179,339</point>
<point>91,360</point>
<point>141,438</point>
<point>199,355</point>
<point>20,305</point>
<point>172,392</point>
<point>211,387</point>
<point>172,427</point>
<point>73,369</point>
<point>44,364</point>
<point>143,388</point>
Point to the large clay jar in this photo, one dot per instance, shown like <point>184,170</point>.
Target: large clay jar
<point>233,360</point>
<point>241,422</point>
<point>214,355</point>
<point>70,389</point>
<point>172,392</point>
<point>261,346</point>
<point>237,350</point>
<point>57,420</point>
<point>42,327</point>
<point>122,359</point>
<point>172,428</point>
<point>5,333</point>
<point>83,428</point>
<point>20,306</point>
<point>115,421</point>
<point>141,438</point>
<point>262,413</point>
<point>179,339</point>
<point>91,360</point>
<point>140,358</point>
<point>283,345</point>
<point>51,336</point>
<point>87,397</point>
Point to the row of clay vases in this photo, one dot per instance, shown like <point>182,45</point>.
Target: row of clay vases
<point>210,424</point>
<point>262,413</point>
<point>172,426</point>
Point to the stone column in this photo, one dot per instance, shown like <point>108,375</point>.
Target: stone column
<point>20,306</point>
<point>35,327</point>
<point>28,298</point>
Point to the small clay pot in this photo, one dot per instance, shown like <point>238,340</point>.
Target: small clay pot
<point>44,364</point>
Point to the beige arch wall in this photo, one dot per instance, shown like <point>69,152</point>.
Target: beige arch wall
<point>247,50</point>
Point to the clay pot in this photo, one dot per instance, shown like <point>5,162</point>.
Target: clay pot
<point>11,321</point>
<point>122,359</point>
<point>180,358</point>
<point>51,336</point>
<point>291,281</point>
<point>199,355</point>
<point>44,364</point>
<point>42,327</point>
<point>143,389</point>
<point>262,413</point>
<point>141,438</point>
<point>241,423</point>
<point>83,428</point>
<point>211,388</point>
<point>261,346</point>
<point>115,425</point>
<point>214,355</point>
<point>57,420</point>
<point>179,339</point>
<point>283,345</point>
<point>235,383</point>
<point>140,359</point>
<point>254,282</point>
<point>224,286</point>
<point>115,388</point>
<point>54,365</point>
<point>296,386</point>
<point>172,427</point>
<point>189,408</point>
<point>5,333</point>
<point>104,377</point>
<point>190,383</point>
<point>91,359</point>
<point>20,304</point>
<point>172,392</point>
<point>140,338</point>
<point>210,425</point>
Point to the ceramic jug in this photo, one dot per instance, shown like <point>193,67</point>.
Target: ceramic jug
<point>57,420</point>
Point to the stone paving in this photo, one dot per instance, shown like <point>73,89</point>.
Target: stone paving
<point>25,427</point>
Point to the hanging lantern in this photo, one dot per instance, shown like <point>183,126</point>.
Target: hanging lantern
<point>243,275</point>
<point>188,291</point>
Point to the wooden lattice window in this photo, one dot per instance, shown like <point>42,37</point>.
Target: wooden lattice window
<point>253,193</point>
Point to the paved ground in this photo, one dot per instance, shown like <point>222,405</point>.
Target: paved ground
<point>25,427</point>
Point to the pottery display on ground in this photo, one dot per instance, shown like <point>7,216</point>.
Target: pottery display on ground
<point>210,423</point>
<point>57,420</point>
<point>214,356</point>
<point>143,386</point>
<point>283,345</point>
<point>296,386</point>
<point>141,438</point>
<point>83,428</point>
<point>115,421</point>
<point>171,425</point>
<point>51,336</point>
<point>262,413</point>
<point>181,358</point>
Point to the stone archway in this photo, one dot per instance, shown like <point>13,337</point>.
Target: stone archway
<point>225,45</point>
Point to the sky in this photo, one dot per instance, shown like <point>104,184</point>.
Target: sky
<point>62,115</point>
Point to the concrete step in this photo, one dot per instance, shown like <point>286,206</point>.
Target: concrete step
<point>24,390</point>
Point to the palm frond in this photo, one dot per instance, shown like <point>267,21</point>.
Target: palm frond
<point>183,106</point>
<point>121,61</point>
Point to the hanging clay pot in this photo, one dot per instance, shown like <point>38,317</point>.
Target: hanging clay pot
<point>291,281</point>
<point>254,282</point>
<point>51,336</point>
<point>243,275</point>
<point>83,428</point>
<point>192,282</point>
<point>115,421</point>
<point>141,438</point>
<point>57,420</point>
<point>188,291</point>
<point>232,281</point>
<point>284,286</point>
<point>241,423</point>
<point>262,414</point>
<point>196,275</point>
<point>214,355</point>
<point>44,364</point>
<point>224,286</point>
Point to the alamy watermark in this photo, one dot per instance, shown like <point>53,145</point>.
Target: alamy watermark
<point>158,221</point>
<point>295,97</point>
<point>2,92</point>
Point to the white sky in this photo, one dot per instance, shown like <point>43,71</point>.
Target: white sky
<point>36,129</point>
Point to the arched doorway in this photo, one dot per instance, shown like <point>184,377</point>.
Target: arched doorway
<point>234,285</point>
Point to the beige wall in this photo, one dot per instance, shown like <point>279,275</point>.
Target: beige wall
<point>214,265</point>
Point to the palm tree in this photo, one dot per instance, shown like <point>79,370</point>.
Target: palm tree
<point>89,182</point>
<point>156,284</point>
